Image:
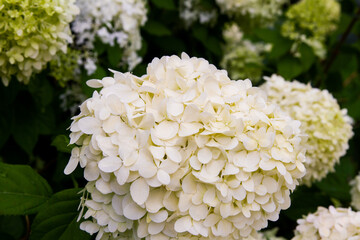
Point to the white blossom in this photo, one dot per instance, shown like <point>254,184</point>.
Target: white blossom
<point>330,224</point>
<point>328,127</point>
<point>253,12</point>
<point>355,192</point>
<point>183,152</point>
<point>112,21</point>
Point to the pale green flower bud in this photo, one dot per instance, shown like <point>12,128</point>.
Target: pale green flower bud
<point>242,58</point>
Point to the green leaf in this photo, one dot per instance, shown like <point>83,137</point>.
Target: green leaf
<point>22,190</point>
<point>304,201</point>
<point>289,67</point>
<point>12,226</point>
<point>61,142</point>
<point>156,28</point>
<point>57,220</point>
<point>25,124</point>
<point>114,55</point>
<point>307,57</point>
<point>164,4</point>
<point>41,90</point>
<point>280,47</point>
<point>336,184</point>
<point>5,126</point>
<point>267,35</point>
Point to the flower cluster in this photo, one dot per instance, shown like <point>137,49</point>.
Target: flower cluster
<point>310,21</point>
<point>112,22</point>
<point>32,32</point>
<point>328,127</point>
<point>192,11</point>
<point>183,152</point>
<point>253,12</point>
<point>355,192</point>
<point>65,66</point>
<point>242,58</point>
<point>329,223</point>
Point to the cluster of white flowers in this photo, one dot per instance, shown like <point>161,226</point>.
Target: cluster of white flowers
<point>183,152</point>
<point>192,11</point>
<point>330,224</point>
<point>112,21</point>
<point>255,12</point>
<point>242,58</point>
<point>328,127</point>
<point>355,192</point>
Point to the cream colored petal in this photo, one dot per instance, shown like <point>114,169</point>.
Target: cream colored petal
<point>110,164</point>
<point>139,191</point>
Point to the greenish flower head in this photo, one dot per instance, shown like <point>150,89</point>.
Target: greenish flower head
<point>242,58</point>
<point>32,32</point>
<point>311,21</point>
<point>65,66</point>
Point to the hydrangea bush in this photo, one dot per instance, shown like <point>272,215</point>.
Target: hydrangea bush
<point>184,150</point>
<point>327,126</point>
<point>32,32</point>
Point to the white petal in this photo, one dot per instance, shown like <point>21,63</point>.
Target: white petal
<point>157,152</point>
<point>204,155</point>
<point>133,211</point>
<point>239,193</point>
<point>110,164</point>
<point>89,125</point>
<point>189,184</point>
<point>102,186</point>
<point>94,83</point>
<point>166,130</point>
<point>159,217</point>
<point>173,154</point>
<point>155,228</point>
<point>154,202</point>
<point>183,224</point>
<point>73,162</point>
<point>198,212</point>
<point>188,129</point>
<point>174,108</point>
<point>122,175</point>
<point>139,191</point>
<point>163,177</point>
<point>91,171</point>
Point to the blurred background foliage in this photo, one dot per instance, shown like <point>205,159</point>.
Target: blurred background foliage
<point>33,126</point>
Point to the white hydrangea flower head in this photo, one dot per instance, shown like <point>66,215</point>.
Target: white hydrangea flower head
<point>328,127</point>
<point>330,224</point>
<point>355,192</point>
<point>112,21</point>
<point>183,152</point>
<point>253,12</point>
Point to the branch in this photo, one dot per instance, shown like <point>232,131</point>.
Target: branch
<point>342,40</point>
